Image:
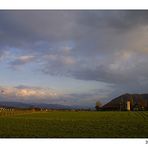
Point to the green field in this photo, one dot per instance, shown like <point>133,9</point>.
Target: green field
<point>71,124</point>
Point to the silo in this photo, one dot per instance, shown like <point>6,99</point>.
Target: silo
<point>128,106</point>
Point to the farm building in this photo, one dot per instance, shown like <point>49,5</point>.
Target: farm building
<point>128,102</point>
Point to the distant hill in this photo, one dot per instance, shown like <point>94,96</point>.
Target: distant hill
<point>37,105</point>
<point>14,104</point>
<point>32,105</point>
<point>119,103</point>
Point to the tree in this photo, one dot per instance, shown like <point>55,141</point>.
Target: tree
<point>132,102</point>
<point>98,105</point>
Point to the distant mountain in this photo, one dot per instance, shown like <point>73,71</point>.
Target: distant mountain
<point>139,100</point>
<point>37,105</point>
<point>14,104</point>
<point>51,106</point>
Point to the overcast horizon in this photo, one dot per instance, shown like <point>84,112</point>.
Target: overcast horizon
<point>72,57</point>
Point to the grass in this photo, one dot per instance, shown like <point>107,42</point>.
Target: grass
<point>70,124</point>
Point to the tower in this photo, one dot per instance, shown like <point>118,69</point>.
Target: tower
<point>128,106</point>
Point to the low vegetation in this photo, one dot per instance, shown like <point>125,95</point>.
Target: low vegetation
<point>79,124</point>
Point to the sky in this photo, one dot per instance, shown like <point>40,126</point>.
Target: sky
<point>72,57</point>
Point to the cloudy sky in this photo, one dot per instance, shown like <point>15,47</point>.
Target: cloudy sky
<point>72,57</point>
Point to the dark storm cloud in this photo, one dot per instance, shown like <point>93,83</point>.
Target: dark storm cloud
<point>107,46</point>
<point>89,30</point>
<point>18,27</point>
<point>133,19</point>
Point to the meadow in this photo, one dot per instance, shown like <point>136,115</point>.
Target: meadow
<point>74,124</point>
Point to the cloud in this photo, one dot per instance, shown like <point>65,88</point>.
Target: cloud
<point>21,60</point>
<point>21,27</point>
<point>32,94</point>
<point>4,53</point>
<point>106,46</point>
<point>27,94</point>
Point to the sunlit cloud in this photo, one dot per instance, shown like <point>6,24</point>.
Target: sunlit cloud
<point>24,91</point>
<point>21,60</point>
